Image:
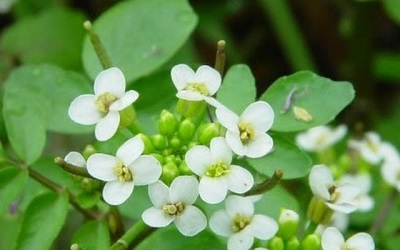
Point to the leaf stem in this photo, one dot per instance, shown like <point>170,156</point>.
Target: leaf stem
<point>384,212</point>
<point>131,235</point>
<point>98,46</point>
<point>267,184</point>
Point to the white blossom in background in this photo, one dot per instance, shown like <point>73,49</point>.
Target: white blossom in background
<point>76,159</point>
<point>390,169</point>
<point>320,138</point>
<point>341,198</point>
<point>332,239</point>
<point>217,175</point>
<point>246,134</point>
<point>238,222</point>
<point>370,147</point>
<point>196,86</point>
<point>174,204</point>
<point>125,170</point>
<point>5,5</point>
<point>363,201</point>
<point>102,108</point>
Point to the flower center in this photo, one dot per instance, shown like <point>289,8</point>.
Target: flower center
<point>334,195</point>
<point>372,145</point>
<point>174,209</point>
<point>198,87</point>
<point>217,169</point>
<point>104,101</point>
<point>247,132</point>
<point>347,247</point>
<point>239,222</point>
<point>123,173</point>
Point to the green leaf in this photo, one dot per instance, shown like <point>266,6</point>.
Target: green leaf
<point>140,35</point>
<point>12,181</point>
<point>37,98</point>
<point>42,221</point>
<point>92,235</point>
<point>238,89</point>
<point>321,97</point>
<point>392,8</point>
<point>286,156</point>
<point>172,239</point>
<point>58,39</point>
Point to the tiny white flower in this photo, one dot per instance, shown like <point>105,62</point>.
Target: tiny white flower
<point>76,159</point>
<point>246,134</point>
<point>103,107</point>
<point>332,239</point>
<point>174,204</point>
<point>217,175</point>
<point>363,201</point>
<point>196,86</point>
<point>320,138</point>
<point>338,197</point>
<point>123,172</point>
<point>238,222</point>
<point>370,147</point>
<point>390,169</point>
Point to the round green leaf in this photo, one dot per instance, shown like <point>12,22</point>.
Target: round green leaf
<point>92,235</point>
<point>42,221</point>
<point>140,35</point>
<point>12,181</point>
<point>238,88</point>
<point>286,156</point>
<point>321,97</point>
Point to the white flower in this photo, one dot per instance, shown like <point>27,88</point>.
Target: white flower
<point>332,239</point>
<point>217,175</point>
<point>238,222</point>
<point>363,201</point>
<point>103,107</point>
<point>123,172</point>
<point>246,135</point>
<point>390,169</point>
<point>76,159</point>
<point>174,204</point>
<point>196,86</point>
<point>340,198</point>
<point>370,147</point>
<point>320,138</point>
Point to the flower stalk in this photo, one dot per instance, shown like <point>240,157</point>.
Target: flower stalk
<point>72,168</point>
<point>98,46</point>
<point>266,185</point>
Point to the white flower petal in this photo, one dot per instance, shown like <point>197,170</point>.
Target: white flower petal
<point>110,80</point>
<point>159,194</point>
<point>83,110</point>
<point>342,207</point>
<point>234,142</point>
<point>348,193</point>
<point>220,223</point>
<point>210,77</point>
<point>191,222</point>
<point>156,217</point>
<point>213,102</point>
<point>239,205</point>
<point>146,169</point>
<point>242,240</point>
<point>239,180</point>
<point>101,166</point>
<point>320,181</point>
<point>130,150</point>
<point>127,99</point>
<point>228,118</point>
<point>260,114</point>
<point>337,134</point>
<point>332,239</point>
<point>76,159</point>
<point>213,190</point>
<point>106,127</point>
<point>263,227</point>
<point>389,171</point>
<point>198,159</point>
<point>181,75</point>
<point>116,192</point>
<point>220,150</point>
<point>190,95</point>
<point>184,189</point>
<point>260,146</point>
<point>361,241</point>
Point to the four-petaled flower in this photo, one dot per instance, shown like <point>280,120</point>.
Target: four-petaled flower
<point>217,175</point>
<point>246,135</point>
<point>174,204</point>
<point>196,86</point>
<point>370,147</point>
<point>123,172</point>
<point>320,138</point>
<point>332,239</point>
<point>103,107</point>
<point>238,222</point>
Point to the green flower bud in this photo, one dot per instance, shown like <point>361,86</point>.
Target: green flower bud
<point>186,130</point>
<point>175,143</point>
<point>185,170</point>
<point>292,244</point>
<point>208,131</point>
<point>190,109</point>
<point>169,158</point>
<point>288,223</point>
<point>88,151</point>
<point>167,124</point>
<point>148,145</point>
<point>127,116</point>
<point>169,172</point>
<point>158,157</point>
<point>159,141</point>
<point>311,242</point>
<point>75,246</point>
<point>276,243</point>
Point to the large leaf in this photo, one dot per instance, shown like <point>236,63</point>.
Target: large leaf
<point>286,156</point>
<point>57,40</point>
<point>321,97</point>
<point>92,235</point>
<point>238,89</point>
<point>12,181</point>
<point>36,98</point>
<point>42,221</point>
<point>141,35</point>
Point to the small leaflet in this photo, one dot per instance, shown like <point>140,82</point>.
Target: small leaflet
<point>302,114</point>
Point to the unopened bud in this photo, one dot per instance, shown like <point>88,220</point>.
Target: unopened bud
<point>311,242</point>
<point>186,130</point>
<point>288,223</point>
<point>169,172</point>
<point>75,247</point>
<point>190,109</point>
<point>88,151</point>
<point>148,145</point>
<point>158,157</point>
<point>175,143</point>
<point>208,131</point>
<point>167,124</point>
<point>185,170</point>
<point>276,243</point>
<point>292,244</point>
<point>159,141</point>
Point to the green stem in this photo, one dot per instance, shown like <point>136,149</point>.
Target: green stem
<point>115,222</point>
<point>98,46</point>
<point>72,168</point>
<point>136,230</point>
<point>267,184</point>
<point>384,212</point>
<point>220,57</point>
